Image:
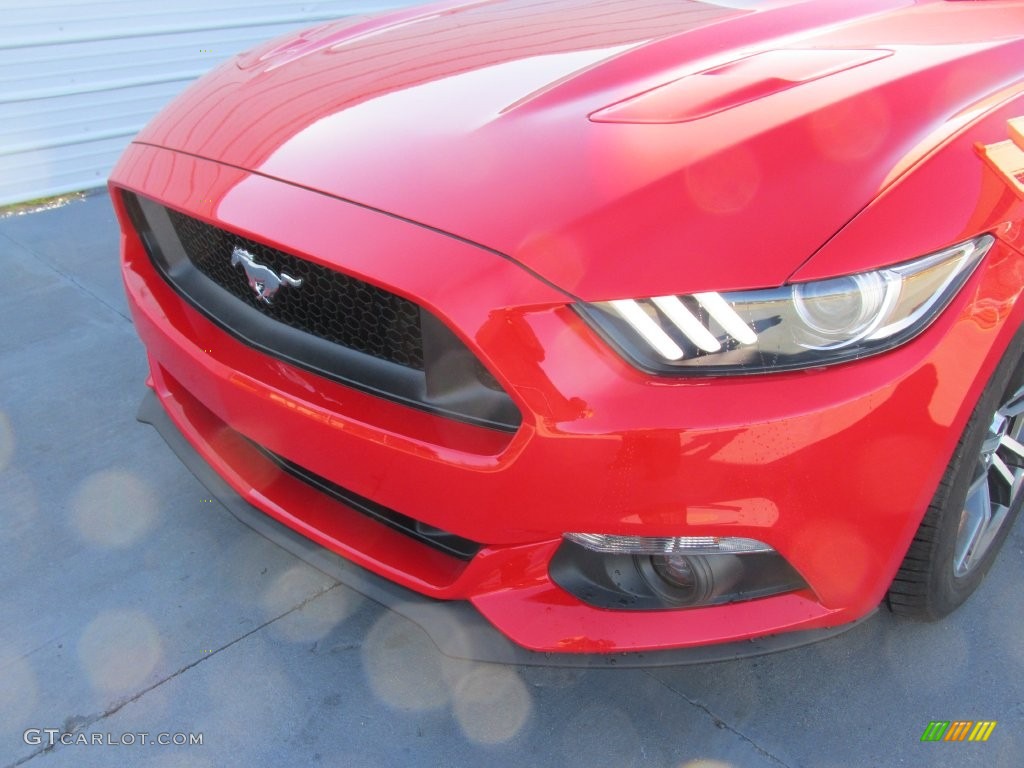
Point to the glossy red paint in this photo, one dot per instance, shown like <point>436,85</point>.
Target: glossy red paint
<point>479,179</point>
<point>350,115</point>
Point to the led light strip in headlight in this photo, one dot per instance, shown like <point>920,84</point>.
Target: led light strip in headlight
<point>796,326</point>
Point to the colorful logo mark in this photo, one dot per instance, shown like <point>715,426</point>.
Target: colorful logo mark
<point>958,730</point>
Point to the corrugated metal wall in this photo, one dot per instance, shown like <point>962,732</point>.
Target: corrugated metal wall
<point>78,78</point>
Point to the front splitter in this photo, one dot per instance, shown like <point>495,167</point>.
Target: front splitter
<point>455,627</point>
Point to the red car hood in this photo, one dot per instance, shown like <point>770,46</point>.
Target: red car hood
<point>617,148</point>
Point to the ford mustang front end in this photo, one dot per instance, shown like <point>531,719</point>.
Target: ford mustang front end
<point>637,328</point>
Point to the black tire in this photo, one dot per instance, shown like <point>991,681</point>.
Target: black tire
<point>941,570</point>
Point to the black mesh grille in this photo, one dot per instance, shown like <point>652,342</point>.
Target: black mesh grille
<point>328,304</point>
<point>331,324</point>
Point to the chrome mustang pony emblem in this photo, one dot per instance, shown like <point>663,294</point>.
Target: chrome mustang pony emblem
<point>262,279</point>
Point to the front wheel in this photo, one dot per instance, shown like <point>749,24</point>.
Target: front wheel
<point>974,506</point>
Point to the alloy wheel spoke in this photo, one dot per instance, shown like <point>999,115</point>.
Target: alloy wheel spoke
<point>991,528</point>
<point>973,522</point>
<point>1014,406</point>
<point>1002,470</point>
<point>1012,445</point>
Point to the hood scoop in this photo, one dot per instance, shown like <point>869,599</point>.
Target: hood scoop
<point>730,85</point>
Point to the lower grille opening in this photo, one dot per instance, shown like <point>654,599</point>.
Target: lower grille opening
<point>449,543</point>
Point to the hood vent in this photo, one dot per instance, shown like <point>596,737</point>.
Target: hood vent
<point>730,85</point>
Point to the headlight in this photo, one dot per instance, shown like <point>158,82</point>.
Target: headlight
<point>802,325</point>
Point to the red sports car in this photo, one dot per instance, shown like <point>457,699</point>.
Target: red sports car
<point>626,326</point>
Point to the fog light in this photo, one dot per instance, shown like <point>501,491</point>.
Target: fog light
<point>663,573</point>
<point>679,570</point>
<point>688,579</point>
<point>692,579</point>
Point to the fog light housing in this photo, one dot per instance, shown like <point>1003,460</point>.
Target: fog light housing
<point>658,573</point>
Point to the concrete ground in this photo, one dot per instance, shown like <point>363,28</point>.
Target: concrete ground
<point>130,603</point>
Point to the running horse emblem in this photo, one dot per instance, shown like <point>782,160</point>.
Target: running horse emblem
<point>262,279</point>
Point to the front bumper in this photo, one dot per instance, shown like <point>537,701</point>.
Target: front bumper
<point>832,468</point>
<point>454,626</point>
